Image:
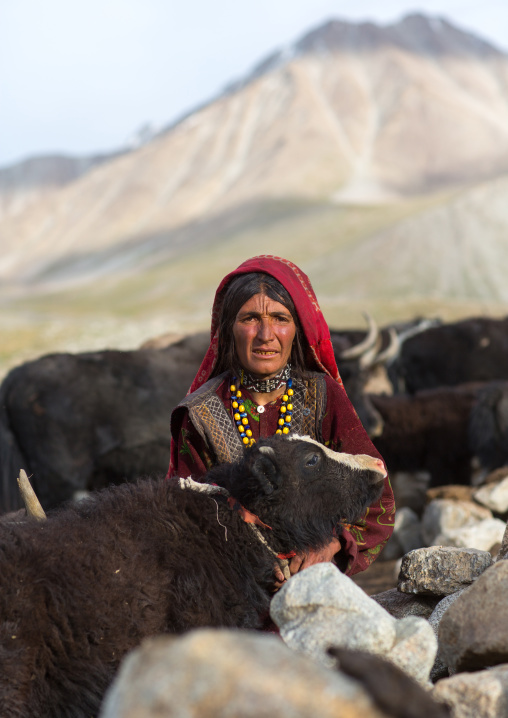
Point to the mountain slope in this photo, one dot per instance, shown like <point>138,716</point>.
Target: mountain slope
<point>353,114</point>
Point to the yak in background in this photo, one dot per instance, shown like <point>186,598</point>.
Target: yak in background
<point>79,422</point>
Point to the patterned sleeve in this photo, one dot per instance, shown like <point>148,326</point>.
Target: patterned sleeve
<point>192,456</point>
<point>343,431</point>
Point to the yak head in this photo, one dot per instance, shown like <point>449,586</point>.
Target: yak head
<point>302,489</point>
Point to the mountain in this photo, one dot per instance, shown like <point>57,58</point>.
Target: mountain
<point>25,181</point>
<point>359,152</point>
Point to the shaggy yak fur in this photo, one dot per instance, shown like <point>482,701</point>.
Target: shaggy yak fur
<point>428,431</point>
<point>81,589</point>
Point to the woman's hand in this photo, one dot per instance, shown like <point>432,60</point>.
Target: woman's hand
<point>322,555</point>
<point>304,560</point>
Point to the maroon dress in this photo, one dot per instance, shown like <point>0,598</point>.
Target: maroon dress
<point>341,430</point>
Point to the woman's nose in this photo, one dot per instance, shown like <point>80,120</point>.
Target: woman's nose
<point>265,331</point>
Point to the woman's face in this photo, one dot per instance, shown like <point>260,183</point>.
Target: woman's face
<point>263,331</point>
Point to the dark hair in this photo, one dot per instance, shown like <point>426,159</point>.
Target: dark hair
<point>239,291</point>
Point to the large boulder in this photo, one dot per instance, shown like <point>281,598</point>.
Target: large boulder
<point>321,607</point>
<point>483,694</point>
<point>473,633</point>
<point>219,674</point>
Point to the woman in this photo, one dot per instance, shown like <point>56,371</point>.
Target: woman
<point>270,368</point>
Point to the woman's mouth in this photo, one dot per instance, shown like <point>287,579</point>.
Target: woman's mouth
<point>264,353</point>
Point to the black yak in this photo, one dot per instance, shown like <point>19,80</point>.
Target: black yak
<point>82,588</point>
<point>428,431</point>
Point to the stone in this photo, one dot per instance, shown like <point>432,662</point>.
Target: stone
<point>483,694</point>
<point>220,673</point>
<point>415,648</point>
<point>473,632</point>
<point>443,515</point>
<point>321,607</point>
<point>454,492</point>
<point>406,536</point>
<point>496,475</point>
<point>485,535</point>
<point>441,570</point>
<point>494,496</point>
<point>503,551</point>
<point>440,669</point>
<point>400,605</point>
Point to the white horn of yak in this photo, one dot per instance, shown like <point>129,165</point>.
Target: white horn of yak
<point>392,350</point>
<point>366,344</point>
<point>32,503</point>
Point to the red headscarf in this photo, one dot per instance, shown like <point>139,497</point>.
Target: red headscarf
<point>314,326</point>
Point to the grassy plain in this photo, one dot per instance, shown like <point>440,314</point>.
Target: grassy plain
<point>349,253</point>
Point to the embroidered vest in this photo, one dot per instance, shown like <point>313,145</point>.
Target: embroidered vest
<point>216,426</point>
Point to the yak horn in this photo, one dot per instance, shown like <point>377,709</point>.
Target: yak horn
<point>32,503</point>
<point>367,343</point>
<point>369,357</point>
<point>392,350</point>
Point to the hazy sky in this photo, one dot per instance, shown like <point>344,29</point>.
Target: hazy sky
<point>80,76</point>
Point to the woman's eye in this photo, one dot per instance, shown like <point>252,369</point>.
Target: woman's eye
<point>313,460</point>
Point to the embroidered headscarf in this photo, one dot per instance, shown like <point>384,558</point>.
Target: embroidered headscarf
<point>320,353</point>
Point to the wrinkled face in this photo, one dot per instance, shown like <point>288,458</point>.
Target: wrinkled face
<point>263,332</point>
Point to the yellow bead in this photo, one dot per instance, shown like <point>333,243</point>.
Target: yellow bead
<point>252,441</point>
<point>249,433</point>
<point>287,419</point>
<point>285,397</point>
<point>237,417</point>
<point>238,394</point>
<point>235,405</point>
<point>240,428</point>
<point>245,420</point>
<point>290,407</point>
<point>279,431</point>
<point>285,430</point>
<point>246,440</point>
<point>241,408</point>
<point>283,410</point>
<point>290,392</point>
<point>232,388</point>
<point>281,422</point>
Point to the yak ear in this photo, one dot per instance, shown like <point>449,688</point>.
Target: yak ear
<point>265,472</point>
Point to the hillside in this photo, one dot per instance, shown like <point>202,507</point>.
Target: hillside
<point>374,157</point>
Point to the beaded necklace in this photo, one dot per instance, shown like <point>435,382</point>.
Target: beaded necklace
<point>240,414</point>
<point>264,386</point>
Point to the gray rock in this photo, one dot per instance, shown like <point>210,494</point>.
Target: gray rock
<point>406,536</point>
<point>440,669</point>
<point>225,674</point>
<point>483,535</point>
<point>473,632</point>
<point>503,551</point>
<point>476,695</point>
<point>455,492</point>
<point>443,515</point>
<point>415,648</point>
<point>400,605</point>
<point>494,496</point>
<point>441,570</point>
<point>321,607</point>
